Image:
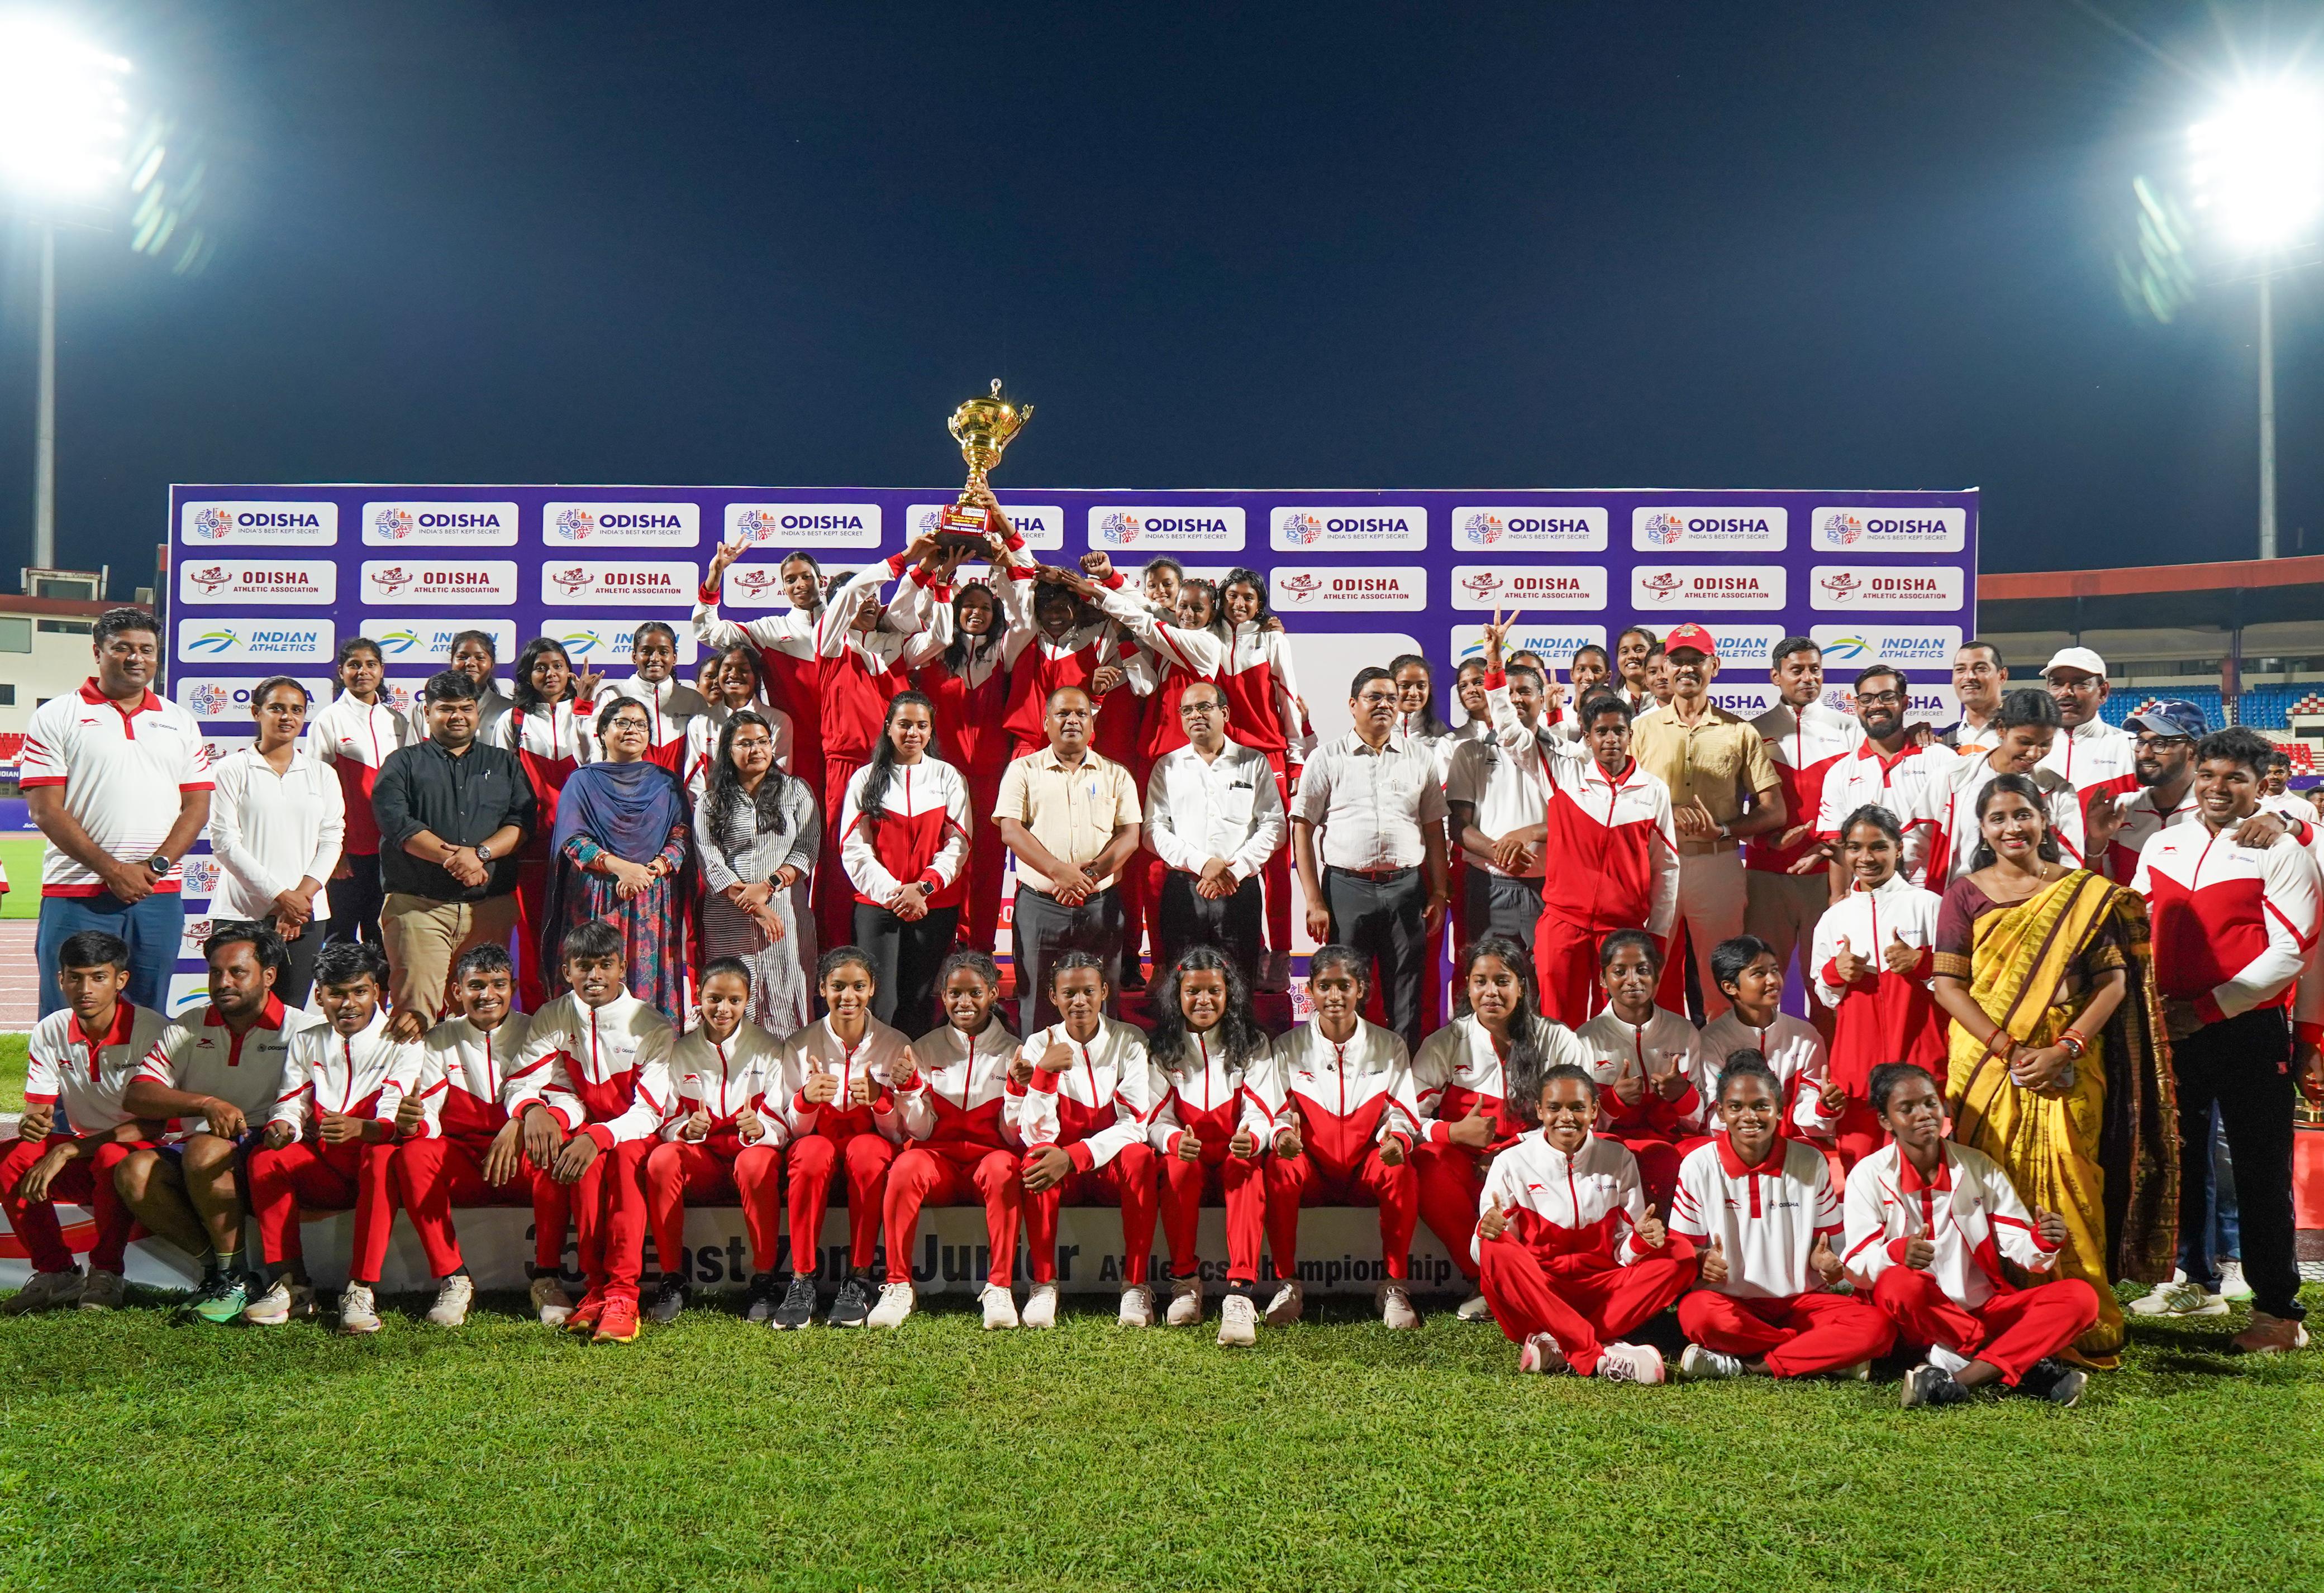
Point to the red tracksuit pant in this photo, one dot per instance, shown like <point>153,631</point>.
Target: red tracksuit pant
<point>1128,1181</point>
<point>1583,1301</point>
<point>85,1181</point>
<point>433,1175</point>
<point>1241,1186</point>
<point>1451,1178</point>
<point>609,1219</point>
<point>325,1178</point>
<point>813,1158</point>
<point>833,896</point>
<point>2011,1331</point>
<point>1293,1182</point>
<point>719,1168</point>
<point>922,1176</point>
<point>980,919</point>
<point>1566,968</point>
<point>1800,1335</point>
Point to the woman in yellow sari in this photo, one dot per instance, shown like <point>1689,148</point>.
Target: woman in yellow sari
<point>2059,1068</point>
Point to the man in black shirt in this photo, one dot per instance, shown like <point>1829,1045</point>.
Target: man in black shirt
<point>452,813</point>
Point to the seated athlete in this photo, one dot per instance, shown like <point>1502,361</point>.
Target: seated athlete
<point>838,1087</point>
<point>81,1058</point>
<point>217,1066</point>
<point>1087,1083</point>
<point>1751,977</point>
<point>1571,1254</point>
<point>1761,1213</point>
<point>604,1090</point>
<point>1458,1082</point>
<point>1929,1225</point>
<point>1210,1129</point>
<point>1343,1122</point>
<point>461,1146</point>
<point>1643,1058</point>
<point>725,1138</point>
<point>963,1145</point>
<point>325,1145</point>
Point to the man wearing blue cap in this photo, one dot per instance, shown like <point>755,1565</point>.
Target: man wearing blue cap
<point>2164,762</point>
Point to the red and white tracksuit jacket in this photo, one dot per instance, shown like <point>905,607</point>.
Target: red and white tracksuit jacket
<point>1652,1126</point>
<point>878,1056</point>
<point>328,1072</point>
<point>703,731</point>
<point>1766,1218</point>
<point>1884,1015</point>
<point>608,1069</point>
<point>1100,1106</point>
<point>922,836</point>
<point>1794,1051</point>
<point>1969,1212</point>
<point>962,1106</point>
<point>1263,694</point>
<point>864,669</point>
<point>1176,659</point>
<point>1807,745</point>
<point>2234,926</point>
<point>355,738</point>
<point>1199,1094</point>
<point>1038,663</point>
<point>465,1077</point>
<point>1948,809</point>
<point>1343,1096</point>
<point>791,669</point>
<point>1458,1071</point>
<point>727,1078</point>
<point>671,708</point>
<point>551,742</point>
<point>1580,1211</point>
<point>2094,758</point>
<point>1869,777</point>
<point>2142,816</point>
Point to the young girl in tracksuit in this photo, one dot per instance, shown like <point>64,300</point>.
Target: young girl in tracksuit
<point>1210,1128</point>
<point>671,706</point>
<point>904,841</point>
<point>355,735</point>
<point>724,1139</point>
<point>968,683</point>
<point>960,1113</point>
<point>734,686</point>
<point>1571,1254</point>
<point>1264,711</point>
<point>1463,1082</point>
<point>550,729</point>
<point>1644,1060</point>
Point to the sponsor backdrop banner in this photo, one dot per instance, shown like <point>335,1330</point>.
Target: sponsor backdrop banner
<point>268,580</point>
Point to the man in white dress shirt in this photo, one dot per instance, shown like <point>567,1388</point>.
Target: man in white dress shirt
<point>1213,817</point>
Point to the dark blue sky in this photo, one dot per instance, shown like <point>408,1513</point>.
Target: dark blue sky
<point>1782,245</point>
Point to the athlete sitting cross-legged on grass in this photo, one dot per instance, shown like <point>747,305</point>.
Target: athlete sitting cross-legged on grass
<point>216,1067</point>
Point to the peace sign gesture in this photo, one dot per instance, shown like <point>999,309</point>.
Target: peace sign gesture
<point>728,552</point>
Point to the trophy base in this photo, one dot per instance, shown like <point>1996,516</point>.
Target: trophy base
<point>963,526</point>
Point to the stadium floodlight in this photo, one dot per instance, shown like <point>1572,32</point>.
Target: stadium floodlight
<point>64,127</point>
<point>2258,170</point>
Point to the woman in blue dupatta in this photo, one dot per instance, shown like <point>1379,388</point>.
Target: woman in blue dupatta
<point>622,854</point>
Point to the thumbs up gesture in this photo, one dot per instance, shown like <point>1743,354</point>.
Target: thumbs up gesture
<point>1474,1131</point>
<point>822,1086</point>
<point>1714,1264</point>
<point>2050,1227</point>
<point>697,1125</point>
<point>1057,1058</point>
<point>1831,1097</point>
<point>1900,957</point>
<point>1851,967</point>
<point>1629,1088</point>
<point>1494,1223</point>
<point>1826,1260</point>
<point>749,1127</point>
<point>858,1088</point>
<point>1651,1232</point>
<point>1242,1147</point>
<point>410,1112</point>
<point>1190,1145</point>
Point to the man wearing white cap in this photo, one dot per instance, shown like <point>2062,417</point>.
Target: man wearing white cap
<point>2089,754</point>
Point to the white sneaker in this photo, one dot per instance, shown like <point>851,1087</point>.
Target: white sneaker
<point>1861,1372</point>
<point>1542,1353</point>
<point>282,1301</point>
<point>2233,1289</point>
<point>1951,1362</point>
<point>1285,1309</point>
<point>453,1295</point>
<point>1186,1302</point>
<point>550,1302</point>
<point>1238,1320</point>
<point>2180,1298</point>
<point>895,1304</point>
<point>1474,1310</point>
<point>1700,1365</point>
<point>358,1312</point>
<point>1137,1306</point>
<point>1000,1308</point>
<point>45,1289</point>
<point>1630,1363</point>
<point>103,1290</point>
<point>1396,1306</point>
<point>1041,1306</point>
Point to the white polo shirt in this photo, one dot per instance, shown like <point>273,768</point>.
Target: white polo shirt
<point>1766,1218</point>
<point>270,830</point>
<point>1506,796</point>
<point>124,772</point>
<point>86,1073</point>
<point>200,1055</point>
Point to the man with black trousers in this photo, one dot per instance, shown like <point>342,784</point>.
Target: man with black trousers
<point>2235,938</point>
<point>1376,878</point>
<point>1213,817</point>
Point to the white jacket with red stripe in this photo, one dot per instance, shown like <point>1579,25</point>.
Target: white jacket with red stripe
<point>1199,1094</point>
<point>1969,1210</point>
<point>1581,1210</point>
<point>2093,755</point>
<point>463,1077</point>
<point>921,836</point>
<point>608,1073</point>
<point>1458,1071</point>
<point>1807,745</point>
<point>1343,1096</point>
<point>1946,806</point>
<point>960,1104</point>
<point>326,1071</point>
<point>2234,925</point>
<point>1616,1050</point>
<point>1869,778</point>
<point>671,706</point>
<point>725,1078</point>
<point>1794,1053</point>
<point>880,1054</point>
<point>1100,1105</point>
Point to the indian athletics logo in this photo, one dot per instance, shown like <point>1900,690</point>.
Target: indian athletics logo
<point>1847,649</point>
<point>213,642</point>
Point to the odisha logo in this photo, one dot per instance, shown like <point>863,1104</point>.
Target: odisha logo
<point>1483,583</point>
<point>1842,529</point>
<point>1664,530</point>
<point>576,524</point>
<point>208,580</point>
<point>209,700</point>
<point>1303,528</point>
<point>1301,587</point>
<point>572,580</point>
<point>1119,528</point>
<point>398,696</point>
<point>197,930</point>
<point>1841,585</point>
<point>929,521</point>
<point>212,523</point>
<point>1484,530</point>
<point>755,525</point>
<point>1847,649</point>
<point>1661,585</point>
<point>212,641</point>
<point>392,578</point>
<point>202,874</point>
<point>394,523</point>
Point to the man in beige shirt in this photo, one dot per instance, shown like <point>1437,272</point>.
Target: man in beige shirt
<point>1072,819</point>
<point>1723,787</point>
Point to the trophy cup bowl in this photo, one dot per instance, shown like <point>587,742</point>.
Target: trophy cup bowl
<point>984,428</point>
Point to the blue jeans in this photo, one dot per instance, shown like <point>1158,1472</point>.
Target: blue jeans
<point>152,928</point>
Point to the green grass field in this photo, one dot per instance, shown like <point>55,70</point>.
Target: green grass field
<point>21,856</point>
<point>11,1071</point>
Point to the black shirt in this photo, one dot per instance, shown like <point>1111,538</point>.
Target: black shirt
<point>460,800</point>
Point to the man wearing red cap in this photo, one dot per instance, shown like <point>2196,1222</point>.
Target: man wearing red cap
<point>1723,787</point>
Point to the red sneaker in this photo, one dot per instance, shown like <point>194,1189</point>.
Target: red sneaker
<point>617,1322</point>
<point>584,1316</point>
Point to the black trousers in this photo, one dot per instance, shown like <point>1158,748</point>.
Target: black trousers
<point>2243,1065</point>
<point>1235,924</point>
<point>297,980</point>
<point>1386,920</point>
<point>904,958</point>
<point>1493,905</point>
<point>1042,928</point>
<point>355,901</point>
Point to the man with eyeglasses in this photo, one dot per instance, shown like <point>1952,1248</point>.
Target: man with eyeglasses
<point>2092,756</point>
<point>1979,677</point>
<point>2163,761</point>
<point>1889,769</point>
<point>1213,817</point>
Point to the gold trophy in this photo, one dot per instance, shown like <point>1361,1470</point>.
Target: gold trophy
<point>984,428</point>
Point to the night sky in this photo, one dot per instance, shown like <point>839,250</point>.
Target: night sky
<point>1701,245</point>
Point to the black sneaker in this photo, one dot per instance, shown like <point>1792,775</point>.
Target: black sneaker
<point>759,1304</point>
<point>798,1308</point>
<point>667,1299</point>
<point>1932,1385</point>
<point>851,1306</point>
<point>2055,1381</point>
<point>1133,974</point>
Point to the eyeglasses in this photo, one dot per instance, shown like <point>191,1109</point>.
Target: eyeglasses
<point>1204,710</point>
<point>2148,739</point>
<point>1880,699</point>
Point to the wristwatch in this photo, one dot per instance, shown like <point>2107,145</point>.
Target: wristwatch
<point>158,863</point>
<point>484,853</point>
